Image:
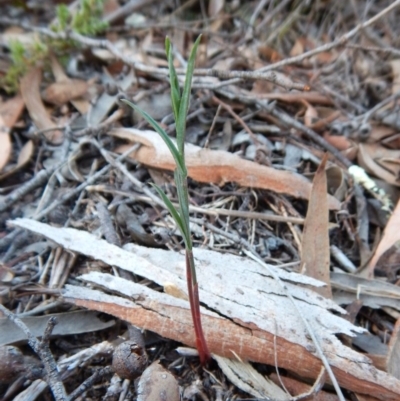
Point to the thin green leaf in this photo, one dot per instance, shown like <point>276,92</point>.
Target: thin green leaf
<point>173,79</point>
<point>184,103</point>
<point>171,146</point>
<point>172,210</point>
<point>181,187</point>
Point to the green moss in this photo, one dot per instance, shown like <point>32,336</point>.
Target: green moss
<point>85,21</point>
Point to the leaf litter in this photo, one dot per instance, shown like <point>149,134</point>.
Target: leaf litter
<point>78,158</point>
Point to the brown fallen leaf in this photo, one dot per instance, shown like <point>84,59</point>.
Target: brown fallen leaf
<point>30,90</point>
<point>310,115</point>
<point>65,90</point>
<point>395,64</point>
<point>25,155</point>
<point>393,357</point>
<point>10,112</point>
<point>69,323</point>
<point>219,167</point>
<point>254,319</point>
<point>390,236</point>
<point>5,148</point>
<point>380,162</point>
<point>315,253</point>
<point>62,92</point>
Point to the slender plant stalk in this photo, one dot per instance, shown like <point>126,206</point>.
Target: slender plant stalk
<point>180,106</point>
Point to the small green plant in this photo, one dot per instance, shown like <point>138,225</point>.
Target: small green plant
<point>87,20</point>
<point>180,105</point>
<point>22,58</point>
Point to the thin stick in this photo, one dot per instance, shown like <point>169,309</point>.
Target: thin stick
<point>42,350</point>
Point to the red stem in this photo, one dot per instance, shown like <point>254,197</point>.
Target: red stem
<point>193,291</point>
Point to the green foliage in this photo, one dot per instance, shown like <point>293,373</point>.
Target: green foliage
<point>180,105</point>
<point>22,58</point>
<point>85,21</point>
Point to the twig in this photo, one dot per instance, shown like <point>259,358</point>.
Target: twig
<point>306,324</point>
<point>197,209</point>
<point>42,350</point>
<point>236,76</point>
<point>307,131</point>
<point>385,50</point>
<point>237,118</point>
<point>40,178</point>
<point>338,42</point>
<point>366,116</point>
<point>89,382</point>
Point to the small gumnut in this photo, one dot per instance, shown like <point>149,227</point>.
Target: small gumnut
<point>157,384</point>
<point>129,360</point>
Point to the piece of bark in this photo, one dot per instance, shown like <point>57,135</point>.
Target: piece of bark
<point>219,167</point>
<point>252,312</point>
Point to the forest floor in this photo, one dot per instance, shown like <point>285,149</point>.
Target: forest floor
<point>293,158</point>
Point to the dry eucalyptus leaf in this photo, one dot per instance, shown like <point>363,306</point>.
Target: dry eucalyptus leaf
<point>205,165</point>
<point>315,252</point>
<point>68,324</point>
<point>253,313</point>
<point>373,293</point>
<point>390,236</point>
<point>59,93</point>
<point>29,87</point>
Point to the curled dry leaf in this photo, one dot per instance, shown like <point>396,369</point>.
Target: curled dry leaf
<point>381,162</point>
<point>30,90</point>
<point>219,167</point>
<point>157,384</point>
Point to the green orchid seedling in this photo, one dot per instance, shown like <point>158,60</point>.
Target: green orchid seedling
<point>180,105</point>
